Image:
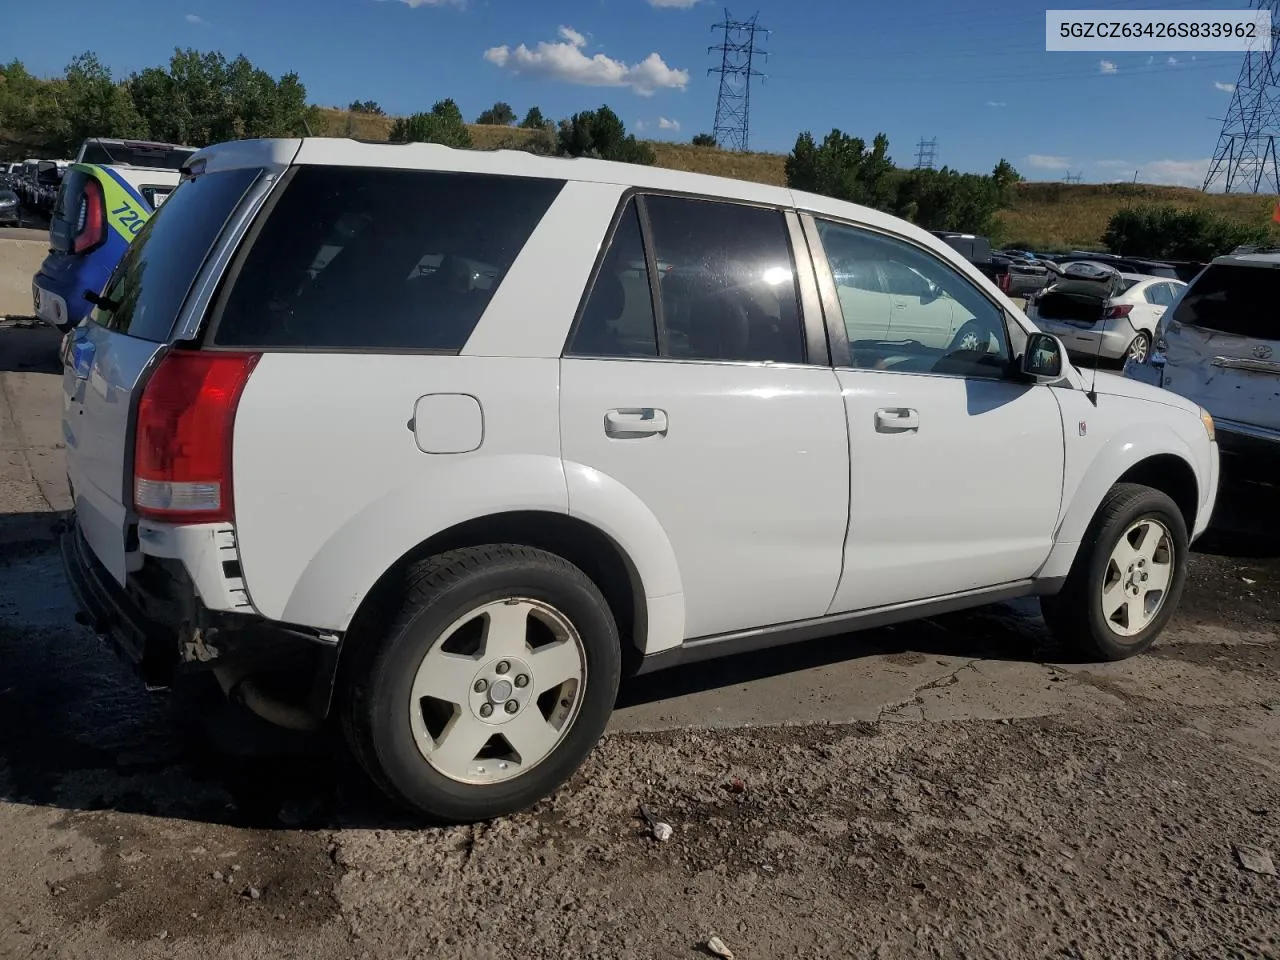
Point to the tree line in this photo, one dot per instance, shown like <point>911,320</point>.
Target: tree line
<point>200,98</point>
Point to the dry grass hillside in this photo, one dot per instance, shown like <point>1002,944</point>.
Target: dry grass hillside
<point>1046,216</point>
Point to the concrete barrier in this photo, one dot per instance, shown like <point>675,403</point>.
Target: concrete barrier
<point>19,261</point>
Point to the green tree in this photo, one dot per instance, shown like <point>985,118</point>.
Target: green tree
<point>442,125</point>
<point>704,140</point>
<point>601,134</point>
<point>534,120</point>
<point>94,105</point>
<point>366,106</point>
<point>499,115</point>
<point>843,167</point>
<point>1177,234</point>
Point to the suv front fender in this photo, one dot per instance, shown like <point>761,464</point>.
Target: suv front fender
<point>1128,448</point>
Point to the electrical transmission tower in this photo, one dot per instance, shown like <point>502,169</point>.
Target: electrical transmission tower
<point>926,153</point>
<point>733,105</point>
<point>1245,159</point>
<point>1074,177</point>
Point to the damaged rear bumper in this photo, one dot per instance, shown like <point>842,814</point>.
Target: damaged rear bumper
<point>158,625</point>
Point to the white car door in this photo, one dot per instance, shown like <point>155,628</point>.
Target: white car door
<point>956,465</point>
<point>694,393</point>
<point>1154,302</point>
<point>921,312</point>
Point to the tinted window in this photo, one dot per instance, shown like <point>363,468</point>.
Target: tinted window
<point>151,281</point>
<point>136,154</point>
<point>1158,294</point>
<point>618,318</point>
<point>1233,299</point>
<point>727,281</point>
<point>929,319</point>
<point>351,257</point>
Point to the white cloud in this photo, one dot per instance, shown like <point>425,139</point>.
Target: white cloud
<point>573,36</point>
<point>996,103</point>
<point>565,61</point>
<point>1107,66</point>
<point>1224,87</point>
<point>196,21</point>
<point>675,4</point>
<point>665,124</point>
<point>1176,173</point>
<point>1045,161</point>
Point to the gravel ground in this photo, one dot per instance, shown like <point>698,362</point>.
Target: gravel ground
<point>952,788</point>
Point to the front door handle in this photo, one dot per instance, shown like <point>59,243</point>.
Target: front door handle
<point>632,423</point>
<point>896,420</point>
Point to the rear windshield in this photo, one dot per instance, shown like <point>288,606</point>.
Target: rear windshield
<point>353,258</point>
<point>153,277</point>
<point>1233,299</point>
<point>136,154</point>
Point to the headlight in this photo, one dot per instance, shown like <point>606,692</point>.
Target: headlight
<point>1207,420</point>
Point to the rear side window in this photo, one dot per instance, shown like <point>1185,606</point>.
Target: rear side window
<point>373,259</point>
<point>151,282</point>
<point>135,155</point>
<point>1233,299</point>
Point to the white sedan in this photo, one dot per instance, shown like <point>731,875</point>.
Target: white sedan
<point>1113,323</point>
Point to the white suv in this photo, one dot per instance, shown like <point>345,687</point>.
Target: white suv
<point>1220,346</point>
<point>443,443</point>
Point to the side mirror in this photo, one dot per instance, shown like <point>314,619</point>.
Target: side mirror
<point>1044,357</point>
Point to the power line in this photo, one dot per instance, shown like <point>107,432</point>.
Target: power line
<point>738,51</point>
<point>926,153</point>
<point>1246,151</point>
<point>1074,177</point>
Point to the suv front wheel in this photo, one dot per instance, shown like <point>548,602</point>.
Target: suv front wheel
<point>1127,578</point>
<point>490,688</point>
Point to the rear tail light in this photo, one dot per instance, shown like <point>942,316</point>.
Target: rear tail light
<point>1118,311</point>
<point>1003,282</point>
<point>182,445</point>
<point>91,218</point>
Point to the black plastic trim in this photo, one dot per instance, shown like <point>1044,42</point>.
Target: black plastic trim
<point>763,638</point>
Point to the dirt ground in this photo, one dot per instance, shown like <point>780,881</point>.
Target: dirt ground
<point>949,788</point>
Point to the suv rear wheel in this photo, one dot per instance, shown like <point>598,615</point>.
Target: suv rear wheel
<point>1127,578</point>
<point>491,687</point>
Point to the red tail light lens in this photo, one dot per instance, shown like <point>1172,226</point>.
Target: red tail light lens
<point>1117,311</point>
<point>1003,282</point>
<point>182,445</point>
<point>91,223</point>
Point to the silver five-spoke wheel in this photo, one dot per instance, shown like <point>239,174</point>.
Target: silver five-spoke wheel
<point>1137,577</point>
<point>498,692</point>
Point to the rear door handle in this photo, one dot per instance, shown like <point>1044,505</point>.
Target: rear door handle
<point>896,420</point>
<point>633,423</point>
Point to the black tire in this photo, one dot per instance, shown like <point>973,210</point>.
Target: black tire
<point>438,591</point>
<point>1075,614</point>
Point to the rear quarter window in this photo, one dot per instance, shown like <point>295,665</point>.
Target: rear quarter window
<point>377,259</point>
<point>151,282</point>
<point>1233,299</point>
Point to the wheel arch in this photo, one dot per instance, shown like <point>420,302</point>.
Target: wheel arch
<point>584,545</point>
<point>1158,458</point>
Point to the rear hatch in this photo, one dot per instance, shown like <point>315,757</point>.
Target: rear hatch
<point>108,357</point>
<point>1221,344</point>
<point>1077,294</point>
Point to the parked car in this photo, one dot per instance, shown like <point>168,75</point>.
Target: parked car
<point>450,514</point>
<point>1099,312</point>
<point>1220,347</point>
<point>1147,268</point>
<point>10,208</point>
<point>100,208</point>
<point>1016,276</point>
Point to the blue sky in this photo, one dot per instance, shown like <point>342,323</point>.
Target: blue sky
<point>974,75</point>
